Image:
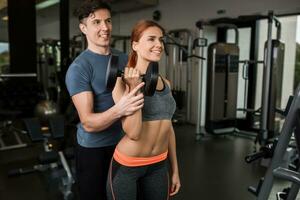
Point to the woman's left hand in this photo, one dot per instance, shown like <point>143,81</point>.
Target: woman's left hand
<point>175,184</point>
<point>132,77</point>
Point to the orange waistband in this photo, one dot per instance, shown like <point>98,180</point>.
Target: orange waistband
<point>138,161</point>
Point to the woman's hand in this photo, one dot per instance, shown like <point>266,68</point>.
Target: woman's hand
<point>175,184</point>
<point>132,77</point>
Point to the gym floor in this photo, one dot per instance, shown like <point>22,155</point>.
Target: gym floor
<point>210,169</point>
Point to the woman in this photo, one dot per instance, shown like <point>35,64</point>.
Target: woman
<point>140,157</point>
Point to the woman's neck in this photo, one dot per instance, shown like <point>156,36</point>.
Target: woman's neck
<point>142,65</point>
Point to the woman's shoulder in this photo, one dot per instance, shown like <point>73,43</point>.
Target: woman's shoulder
<point>165,80</point>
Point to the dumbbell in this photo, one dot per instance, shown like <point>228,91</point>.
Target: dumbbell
<point>150,78</point>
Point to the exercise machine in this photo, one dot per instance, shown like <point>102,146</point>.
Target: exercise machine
<point>290,127</point>
<point>51,160</point>
<point>222,82</point>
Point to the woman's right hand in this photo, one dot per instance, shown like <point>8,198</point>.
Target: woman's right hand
<point>132,77</point>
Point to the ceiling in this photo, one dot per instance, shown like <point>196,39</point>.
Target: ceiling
<point>50,14</point>
<point>3,3</point>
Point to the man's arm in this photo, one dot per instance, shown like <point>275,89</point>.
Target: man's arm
<point>94,122</point>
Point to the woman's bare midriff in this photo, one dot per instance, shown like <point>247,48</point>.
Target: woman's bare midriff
<point>153,141</point>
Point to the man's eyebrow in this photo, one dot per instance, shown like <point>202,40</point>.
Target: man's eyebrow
<point>109,18</point>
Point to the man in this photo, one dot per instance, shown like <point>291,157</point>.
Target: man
<point>99,129</point>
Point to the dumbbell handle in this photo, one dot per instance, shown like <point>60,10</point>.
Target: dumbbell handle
<point>150,78</point>
<point>121,73</point>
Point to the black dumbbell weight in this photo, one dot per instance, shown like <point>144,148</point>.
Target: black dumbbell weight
<point>112,73</point>
<point>150,78</point>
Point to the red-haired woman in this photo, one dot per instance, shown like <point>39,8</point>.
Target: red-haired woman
<point>140,158</point>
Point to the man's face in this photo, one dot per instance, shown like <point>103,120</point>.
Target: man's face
<point>97,27</point>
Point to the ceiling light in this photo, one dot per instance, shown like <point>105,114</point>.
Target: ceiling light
<point>5,18</point>
<point>46,4</point>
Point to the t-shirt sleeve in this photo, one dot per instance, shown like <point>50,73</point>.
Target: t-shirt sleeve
<point>78,79</point>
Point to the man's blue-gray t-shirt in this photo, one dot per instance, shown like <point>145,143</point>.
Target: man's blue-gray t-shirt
<point>88,73</point>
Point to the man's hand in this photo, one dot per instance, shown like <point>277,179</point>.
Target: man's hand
<point>131,101</point>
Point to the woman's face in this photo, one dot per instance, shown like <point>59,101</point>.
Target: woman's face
<point>150,46</point>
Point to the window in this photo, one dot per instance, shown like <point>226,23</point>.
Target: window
<point>4,57</point>
<point>4,45</point>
